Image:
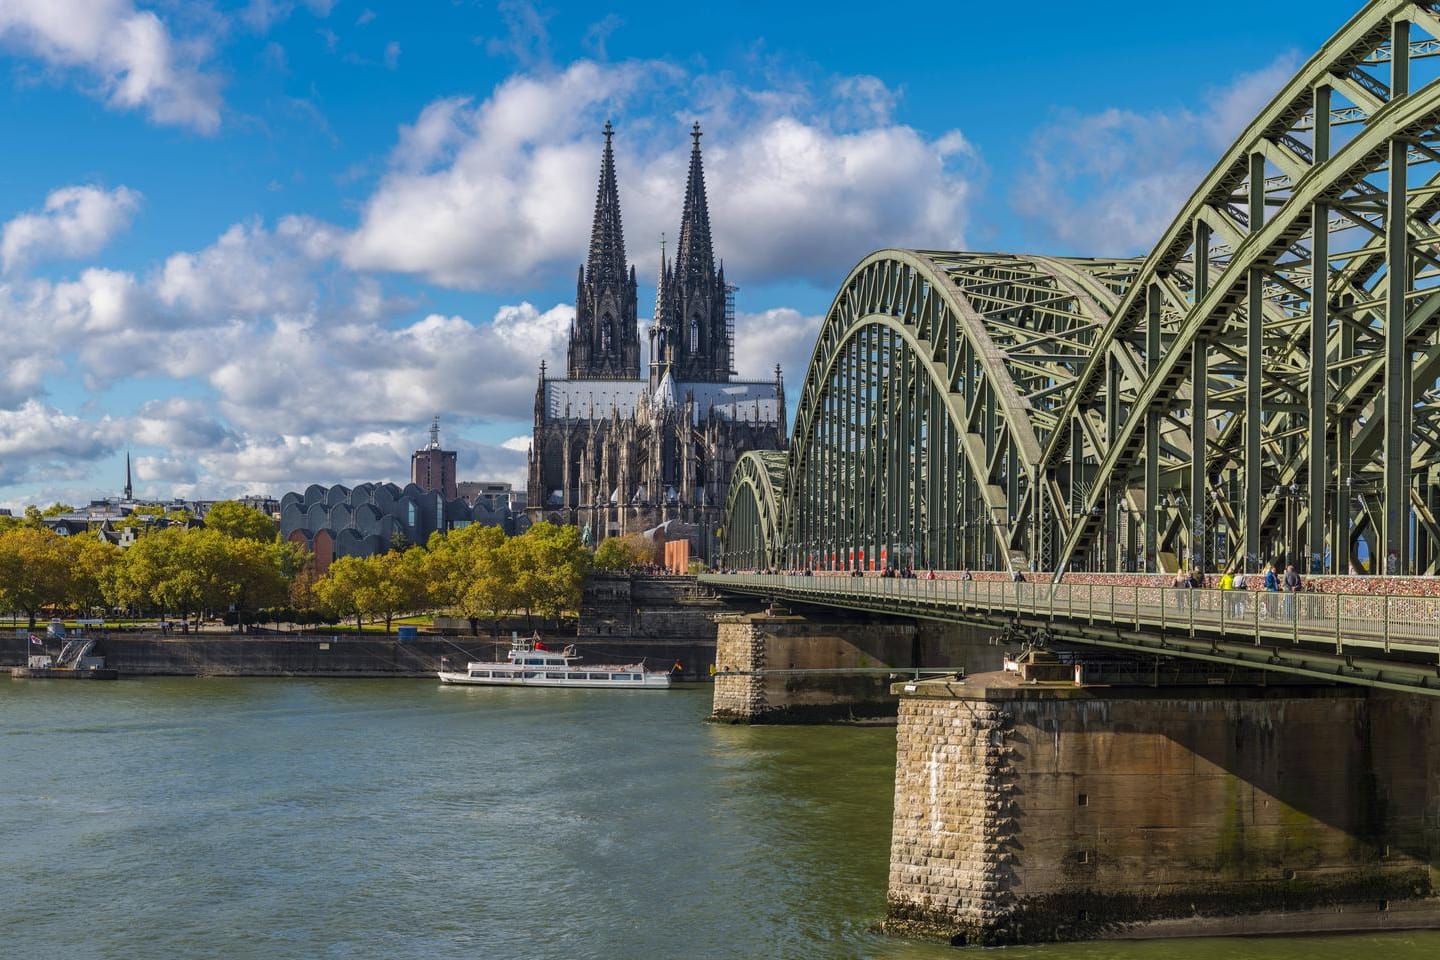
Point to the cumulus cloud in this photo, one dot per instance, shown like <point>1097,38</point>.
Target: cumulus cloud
<point>1109,183</point>
<point>40,442</point>
<point>75,222</point>
<point>781,335</point>
<point>488,195</point>
<point>129,57</point>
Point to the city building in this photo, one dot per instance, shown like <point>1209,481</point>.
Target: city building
<point>492,494</point>
<point>433,469</point>
<point>617,453</point>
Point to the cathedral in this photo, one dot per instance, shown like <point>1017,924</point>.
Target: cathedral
<point>617,453</point>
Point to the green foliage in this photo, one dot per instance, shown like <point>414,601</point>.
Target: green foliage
<point>380,587</point>
<point>56,509</point>
<point>624,553</point>
<point>471,572</point>
<point>239,522</point>
<point>195,570</point>
<point>40,569</point>
<point>549,565</point>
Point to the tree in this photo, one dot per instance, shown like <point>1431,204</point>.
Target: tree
<point>398,585</point>
<point>471,572</point>
<point>34,570</point>
<point>90,561</point>
<point>341,588</point>
<point>624,553</point>
<point>196,570</point>
<point>549,565</point>
<point>56,509</point>
<point>239,522</point>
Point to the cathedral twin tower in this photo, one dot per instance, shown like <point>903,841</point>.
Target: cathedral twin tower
<point>617,453</point>
<point>690,337</point>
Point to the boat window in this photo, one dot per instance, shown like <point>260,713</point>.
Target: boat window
<point>634,676</point>
<point>479,673</point>
<point>530,674</point>
<point>535,662</point>
<point>599,676</point>
<point>555,676</point>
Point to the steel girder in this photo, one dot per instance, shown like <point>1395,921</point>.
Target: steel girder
<point>1262,385</point>
<point>751,535</point>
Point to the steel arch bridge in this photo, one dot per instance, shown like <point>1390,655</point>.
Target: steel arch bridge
<point>1262,385</point>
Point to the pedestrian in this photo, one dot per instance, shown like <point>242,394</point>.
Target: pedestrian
<point>1181,584</point>
<point>1292,585</point>
<point>1242,593</point>
<point>1272,588</point>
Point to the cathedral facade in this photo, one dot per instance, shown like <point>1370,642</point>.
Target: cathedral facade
<point>619,453</point>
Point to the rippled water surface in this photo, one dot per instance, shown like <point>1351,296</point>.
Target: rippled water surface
<point>392,818</point>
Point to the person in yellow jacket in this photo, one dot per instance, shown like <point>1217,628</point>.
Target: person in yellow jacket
<point>1227,581</point>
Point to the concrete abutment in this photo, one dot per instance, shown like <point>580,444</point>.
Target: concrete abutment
<point>1033,812</point>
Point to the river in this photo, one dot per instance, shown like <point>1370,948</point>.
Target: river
<point>273,819</point>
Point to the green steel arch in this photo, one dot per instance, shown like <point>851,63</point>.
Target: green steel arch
<point>1262,385</point>
<point>752,532</point>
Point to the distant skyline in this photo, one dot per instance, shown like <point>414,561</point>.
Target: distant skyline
<point>260,244</point>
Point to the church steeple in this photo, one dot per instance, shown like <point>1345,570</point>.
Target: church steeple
<point>604,339</point>
<point>129,489</point>
<point>694,256</point>
<point>693,329</point>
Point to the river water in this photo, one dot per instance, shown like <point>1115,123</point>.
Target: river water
<point>396,819</point>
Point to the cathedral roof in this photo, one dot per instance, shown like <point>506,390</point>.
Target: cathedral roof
<point>665,392</point>
<point>745,401</point>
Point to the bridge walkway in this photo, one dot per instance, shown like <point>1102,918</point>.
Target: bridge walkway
<point>1385,641</point>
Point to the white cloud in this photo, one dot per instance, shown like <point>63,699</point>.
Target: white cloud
<point>75,222</point>
<point>130,57</point>
<point>40,442</point>
<point>1109,183</point>
<point>489,195</point>
<point>781,335</point>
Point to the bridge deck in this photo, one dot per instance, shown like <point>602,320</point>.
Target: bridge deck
<point>1384,641</point>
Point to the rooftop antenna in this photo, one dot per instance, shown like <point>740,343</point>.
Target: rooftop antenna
<point>435,433</point>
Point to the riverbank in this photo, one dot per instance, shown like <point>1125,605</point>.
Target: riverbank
<point>340,655</point>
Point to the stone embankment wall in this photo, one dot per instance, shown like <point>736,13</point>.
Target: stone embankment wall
<point>340,656</point>
<point>1026,814</point>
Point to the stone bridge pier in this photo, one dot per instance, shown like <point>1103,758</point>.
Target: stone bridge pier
<point>816,665</point>
<point>1034,810</point>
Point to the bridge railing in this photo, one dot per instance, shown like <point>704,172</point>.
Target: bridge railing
<point>1409,624</point>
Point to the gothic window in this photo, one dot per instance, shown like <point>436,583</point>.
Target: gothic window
<point>695,333</point>
<point>607,334</point>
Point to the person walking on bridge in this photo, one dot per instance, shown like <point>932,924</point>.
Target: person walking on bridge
<point>1272,587</point>
<point>1292,587</point>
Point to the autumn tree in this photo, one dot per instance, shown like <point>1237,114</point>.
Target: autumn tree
<point>239,522</point>
<point>624,553</point>
<point>471,572</point>
<point>342,587</point>
<point>549,564</point>
<point>34,570</point>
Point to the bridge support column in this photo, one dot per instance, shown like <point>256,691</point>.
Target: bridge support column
<point>826,667</point>
<point>1034,812</point>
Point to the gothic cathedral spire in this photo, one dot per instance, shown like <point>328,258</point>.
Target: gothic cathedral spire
<point>691,327</point>
<point>604,339</point>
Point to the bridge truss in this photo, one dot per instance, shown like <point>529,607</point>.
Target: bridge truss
<point>1262,386</point>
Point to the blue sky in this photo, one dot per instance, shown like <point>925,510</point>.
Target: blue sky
<point>260,243</point>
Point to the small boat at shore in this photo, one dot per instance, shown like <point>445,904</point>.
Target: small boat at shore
<point>531,664</point>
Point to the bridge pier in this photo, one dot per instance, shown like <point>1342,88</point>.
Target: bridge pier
<point>1029,812</point>
<point>820,666</point>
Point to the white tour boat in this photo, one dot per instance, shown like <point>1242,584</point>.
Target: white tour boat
<point>531,664</point>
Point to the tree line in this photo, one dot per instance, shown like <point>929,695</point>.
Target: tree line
<point>237,567</point>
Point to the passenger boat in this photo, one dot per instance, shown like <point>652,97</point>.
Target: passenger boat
<point>531,664</point>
